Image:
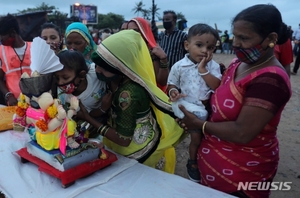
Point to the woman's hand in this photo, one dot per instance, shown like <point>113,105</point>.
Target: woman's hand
<point>159,52</point>
<point>189,121</point>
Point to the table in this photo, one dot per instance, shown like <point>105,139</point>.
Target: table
<point>124,178</point>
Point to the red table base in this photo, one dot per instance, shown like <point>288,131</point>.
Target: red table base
<point>69,176</point>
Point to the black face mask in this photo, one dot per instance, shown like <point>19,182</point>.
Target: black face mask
<point>101,77</point>
<point>167,25</point>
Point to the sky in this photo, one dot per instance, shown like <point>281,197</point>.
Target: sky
<point>212,12</point>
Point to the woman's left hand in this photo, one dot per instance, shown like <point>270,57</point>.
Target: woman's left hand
<point>159,52</point>
<point>189,121</point>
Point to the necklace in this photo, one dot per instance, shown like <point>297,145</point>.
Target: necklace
<point>255,66</point>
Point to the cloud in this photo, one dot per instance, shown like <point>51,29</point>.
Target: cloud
<point>211,12</point>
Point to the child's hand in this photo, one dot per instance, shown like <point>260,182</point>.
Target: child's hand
<point>203,63</point>
<point>106,101</point>
<point>175,95</point>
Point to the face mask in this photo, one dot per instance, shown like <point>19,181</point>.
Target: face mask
<point>87,49</point>
<point>9,41</point>
<point>69,87</point>
<point>248,55</point>
<point>167,24</point>
<point>101,77</point>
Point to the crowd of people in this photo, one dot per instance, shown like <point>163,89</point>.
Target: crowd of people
<point>143,96</point>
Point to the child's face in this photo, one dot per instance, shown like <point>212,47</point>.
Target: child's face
<point>200,46</point>
<point>65,76</point>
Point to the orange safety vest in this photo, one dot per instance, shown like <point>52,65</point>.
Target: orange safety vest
<point>13,67</point>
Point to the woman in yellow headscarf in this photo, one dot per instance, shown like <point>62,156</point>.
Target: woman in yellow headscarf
<point>140,124</point>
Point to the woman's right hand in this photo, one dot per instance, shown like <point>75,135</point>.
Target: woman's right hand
<point>189,121</point>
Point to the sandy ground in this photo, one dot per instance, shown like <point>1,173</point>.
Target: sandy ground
<point>288,135</point>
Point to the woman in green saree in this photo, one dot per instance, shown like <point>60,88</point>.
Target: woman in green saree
<point>140,124</point>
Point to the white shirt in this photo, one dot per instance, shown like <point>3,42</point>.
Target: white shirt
<point>184,75</point>
<point>92,96</point>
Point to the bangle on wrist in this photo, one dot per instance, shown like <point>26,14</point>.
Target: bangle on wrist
<point>203,74</point>
<point>6,96</point>
<point>102,110</point>
<point>102,130</point>
<point>163,65</point>
<point>203,127</point>
<point>172,89</point>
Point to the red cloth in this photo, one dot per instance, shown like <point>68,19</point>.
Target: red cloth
<point>224,164</point>
<point>284,53</point>
<point>145,30</point>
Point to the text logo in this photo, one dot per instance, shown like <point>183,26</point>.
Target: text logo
<point>264,186</point>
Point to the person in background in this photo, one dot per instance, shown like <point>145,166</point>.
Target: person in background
<point>159,57</point>
<point>79,38</point>
<point>14,58</point>
<point>296,39</point>
<point>172,39</point>
<point>239,141</point>
<point>196,76</point>
<point>105,33</point>
<point>123,26</point>
<point>52,35</point>
<point>139,125</point>
<point>284,52</point>
<point>225,41</point>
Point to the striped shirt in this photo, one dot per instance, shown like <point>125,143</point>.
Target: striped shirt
<point>173,45</point>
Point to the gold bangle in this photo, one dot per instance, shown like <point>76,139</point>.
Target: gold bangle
<point>100,128</point>
<point>203,127</point>
<point>104,133</point>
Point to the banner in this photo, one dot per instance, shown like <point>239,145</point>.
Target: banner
<point>87,14</point>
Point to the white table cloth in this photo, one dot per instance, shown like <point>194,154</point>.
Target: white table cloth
<point>124,178</point>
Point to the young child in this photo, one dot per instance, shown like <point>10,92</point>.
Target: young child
<point>77,79</point>
<point>192,80</point>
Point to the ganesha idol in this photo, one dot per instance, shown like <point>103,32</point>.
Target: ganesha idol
<point>47,121</point>
<point>50,125</point>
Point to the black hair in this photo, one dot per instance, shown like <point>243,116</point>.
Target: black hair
<point>201,28</point>
<point>56,28</point>
<point>73,60</point>
<point>106,30</point>
<point>102,63</point>
<point>51,26</point>
<point>9,23</point>
<point>265,19</point>
<point>171,12</point>
<point>122,24</point>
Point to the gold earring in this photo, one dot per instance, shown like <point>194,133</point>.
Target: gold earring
<point>271,45</point>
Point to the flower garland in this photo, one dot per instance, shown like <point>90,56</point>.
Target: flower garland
<point>51,112</point>
<point>22,106</point>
